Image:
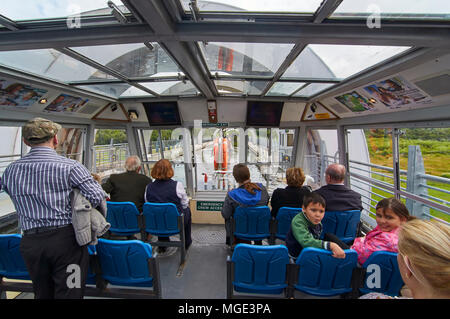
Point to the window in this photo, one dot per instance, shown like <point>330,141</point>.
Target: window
<point>109,152</point>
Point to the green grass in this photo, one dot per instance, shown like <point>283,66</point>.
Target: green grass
<point>436,156</point>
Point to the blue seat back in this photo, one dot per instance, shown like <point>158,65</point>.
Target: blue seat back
<point>252,223</point>
<point>161,219</point>
<point>386,279</point>
<point>12,264</point>
<point>125,262</point>
<point>260,269</point>
<point>284,219</point>
<point>320,274</point>
<point>343,224</point>
<point>123,218</point>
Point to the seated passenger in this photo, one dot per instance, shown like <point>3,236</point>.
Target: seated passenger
<point>292,195</point>
<point>423,260</point>
<point>165,190</point>
<point>247,194</point>
<point>390,215</point>
<point>338,196</point>
<point>306,228</point>
<point>128,186</point>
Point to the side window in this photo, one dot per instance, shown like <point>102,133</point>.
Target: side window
<point>110,151</point>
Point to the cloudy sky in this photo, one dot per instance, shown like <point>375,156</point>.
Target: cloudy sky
<point>35,9</point>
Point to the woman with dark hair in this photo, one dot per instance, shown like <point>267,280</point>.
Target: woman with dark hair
<point>247,194</point>
<point>292,195</point>
<point>165,190</point>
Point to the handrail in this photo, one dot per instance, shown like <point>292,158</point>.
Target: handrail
<point>403,193</point>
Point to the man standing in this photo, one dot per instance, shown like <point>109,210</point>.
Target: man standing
<point>338,197</point>
<point>129,186</point>
<point>39,185</point>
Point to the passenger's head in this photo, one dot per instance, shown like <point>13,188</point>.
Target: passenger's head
<point>391,213</point>
<point>133,164</point>
<point>314,207</point>
<point>335,174</point>
<point>39,131</point>
<point>162,170</point>
<point>424,258</point>
<point>241,174</point>
<point>295,177</point>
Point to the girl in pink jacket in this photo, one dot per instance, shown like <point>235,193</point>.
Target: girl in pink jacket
<point>390,215</point>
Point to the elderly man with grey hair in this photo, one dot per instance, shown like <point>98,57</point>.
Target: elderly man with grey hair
<point>128,186</point>
<point>338,197</point>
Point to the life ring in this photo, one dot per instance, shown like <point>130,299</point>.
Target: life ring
<point>217,146</point>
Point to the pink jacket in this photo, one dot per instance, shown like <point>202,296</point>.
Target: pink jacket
<point>375,240</point>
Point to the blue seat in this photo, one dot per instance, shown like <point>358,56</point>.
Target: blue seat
<point>284,219</point>
<point>123,217</point>
<point>164,220</point>
<point>386,279</point>
<point>126,263</point>
<point>251,223</point>
<point>257,269</point>
<point>343,224</point>
<point>12,264</point>
<point>320,274</point>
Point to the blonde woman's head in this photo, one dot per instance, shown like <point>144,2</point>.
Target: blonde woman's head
<point>424,253</point>
<point>295,177</point>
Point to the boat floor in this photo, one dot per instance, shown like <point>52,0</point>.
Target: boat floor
<point>203,275</point>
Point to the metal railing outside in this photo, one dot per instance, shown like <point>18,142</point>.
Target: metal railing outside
<point>375,182</point>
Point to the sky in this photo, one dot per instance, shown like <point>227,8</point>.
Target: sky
<point>39,9</point>
<point>36,9</point>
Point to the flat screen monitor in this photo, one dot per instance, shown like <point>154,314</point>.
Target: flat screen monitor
<point>162,113</point>
<point>266,114</point>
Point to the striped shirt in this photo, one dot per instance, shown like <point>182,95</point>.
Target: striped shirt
<point>39,185</point>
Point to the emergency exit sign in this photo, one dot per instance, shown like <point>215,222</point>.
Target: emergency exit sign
<point>209,206</point>
<point>214,124</point>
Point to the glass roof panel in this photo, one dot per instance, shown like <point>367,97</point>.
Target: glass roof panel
<point>245,58</point>
<point>313,89</point>
<point>284,88</point>
<point>114,90</point>
<point>46,9</point>
<point>51,64</point>
<point>285,6</point>
<point>133,60</point>
<point>399,9</point>
<point>171,88</point>
<point>338,61</point>
<point>240,87</point>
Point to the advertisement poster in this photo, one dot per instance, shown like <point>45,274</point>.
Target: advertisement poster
<point>396,92</point>
<point>355,102</point>
<point>66,103</point>
<point>19,95</point>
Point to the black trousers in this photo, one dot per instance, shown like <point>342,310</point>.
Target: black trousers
<point>57,264</point>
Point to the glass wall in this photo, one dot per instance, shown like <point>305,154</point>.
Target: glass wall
<point>110,151</point>
<point>425,163</point>
<point>156,144</point>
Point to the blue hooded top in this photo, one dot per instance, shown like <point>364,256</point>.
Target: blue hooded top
<point>241,195</point>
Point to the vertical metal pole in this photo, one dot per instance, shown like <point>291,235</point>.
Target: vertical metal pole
<point>161,145</point>
<point>300,149</point>
<point>132,143</point>
<point>89,160</point>
<point>342,135</point>
<point>396,161</point>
